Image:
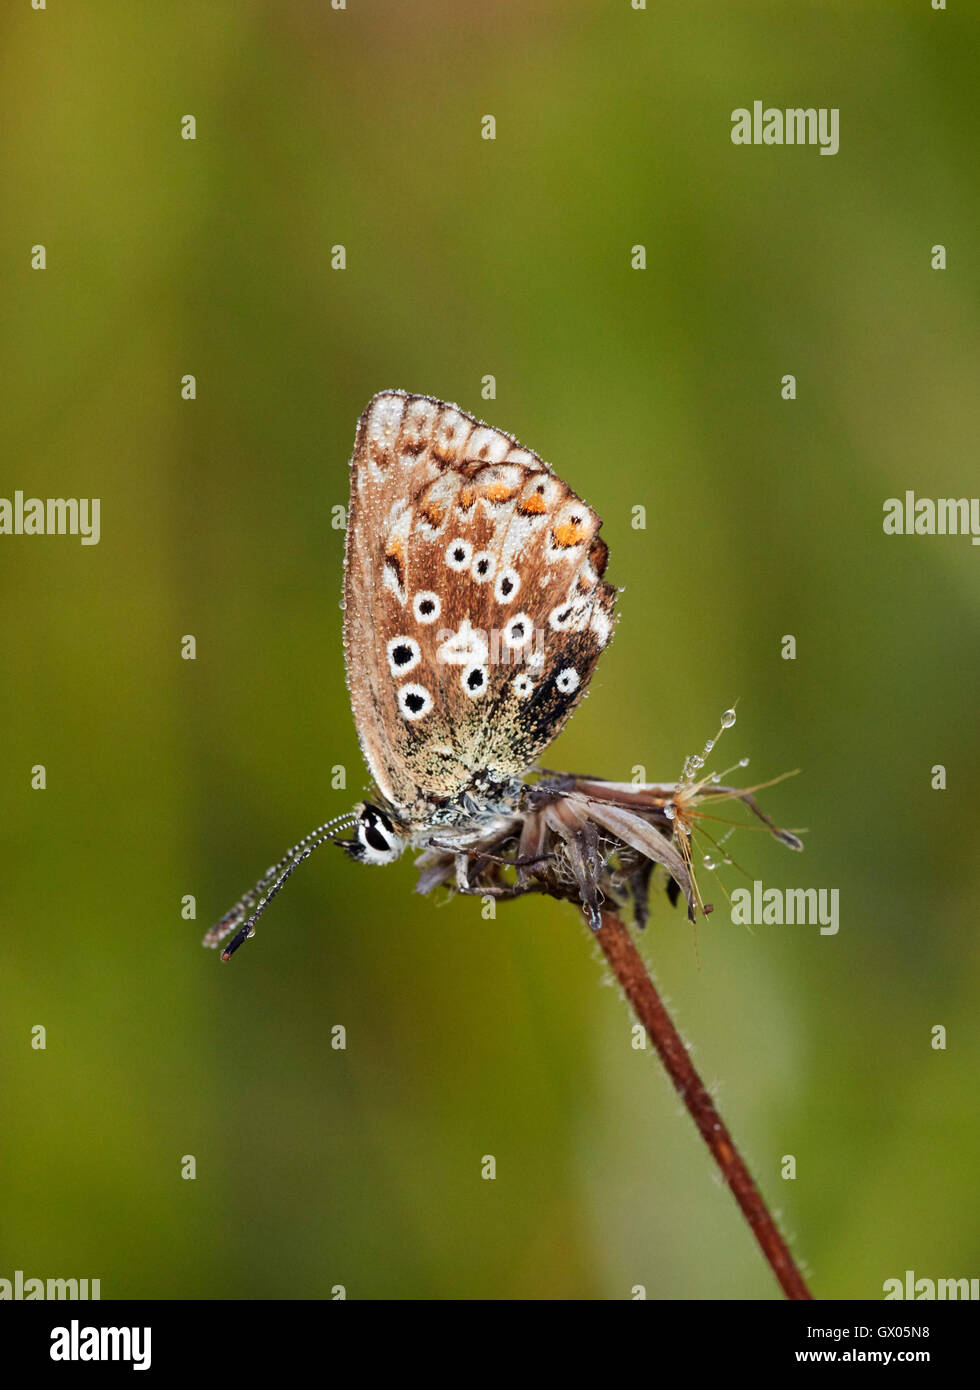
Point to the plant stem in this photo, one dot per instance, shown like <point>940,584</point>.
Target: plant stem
<point>630,970</point>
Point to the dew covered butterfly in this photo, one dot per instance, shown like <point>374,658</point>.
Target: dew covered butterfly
<point>475,610</point>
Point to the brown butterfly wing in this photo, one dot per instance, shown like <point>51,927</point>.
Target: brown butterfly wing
<point>475,605</point>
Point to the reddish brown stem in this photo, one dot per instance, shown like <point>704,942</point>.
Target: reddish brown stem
<point>628,966</point>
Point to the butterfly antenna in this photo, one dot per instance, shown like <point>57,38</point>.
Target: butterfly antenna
<point>250,908</point>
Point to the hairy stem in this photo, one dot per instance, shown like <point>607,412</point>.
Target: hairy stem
<point>628,966</point>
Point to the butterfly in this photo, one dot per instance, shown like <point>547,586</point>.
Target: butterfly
<point>475,611</point>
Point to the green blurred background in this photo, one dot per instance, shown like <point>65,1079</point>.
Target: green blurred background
<point>659,388</point>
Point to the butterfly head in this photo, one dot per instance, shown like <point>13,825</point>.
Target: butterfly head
<point>376,840</point>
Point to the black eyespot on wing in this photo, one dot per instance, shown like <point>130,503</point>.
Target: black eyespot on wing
<point>475,680</point>
<point>459,554</point>
<point>506,585</point>
<point>426,607</point>
<point>401,655</point>
<point>414,702</point>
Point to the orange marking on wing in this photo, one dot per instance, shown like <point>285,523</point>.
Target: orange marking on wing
<point>533,505</point>
<point>568,535</point>
<point>432,513</point>
<point>395,557</point>
<point>499,492</point>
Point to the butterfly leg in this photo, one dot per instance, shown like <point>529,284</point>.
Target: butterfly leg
<point>501,891</point>
<point>462,873</point>
<point>522,861</point>
<point>474,860</point>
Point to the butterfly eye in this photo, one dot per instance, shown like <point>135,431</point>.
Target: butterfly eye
<point>374,838</point>
<point>377,839</point>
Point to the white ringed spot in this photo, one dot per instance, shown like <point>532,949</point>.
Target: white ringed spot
<point>483,566</point>
<point>507,585</point>
<point>567,681</point>
<point>404,654</point>
<point>426,606</point>
<point>459,553</point>
<point>517,632</point>
<point>474,681</point>
<point>414,701</point>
